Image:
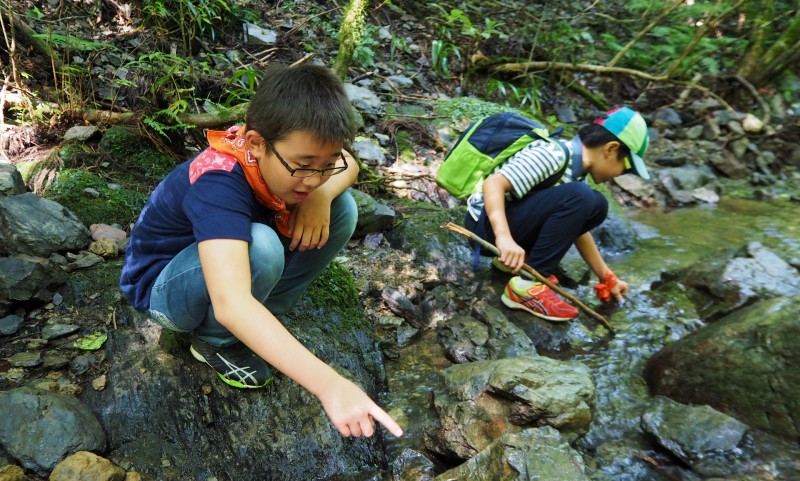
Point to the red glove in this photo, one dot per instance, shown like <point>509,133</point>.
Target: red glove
<point>603,289</point>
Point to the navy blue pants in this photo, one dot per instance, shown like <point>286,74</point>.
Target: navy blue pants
<point>546,223</point>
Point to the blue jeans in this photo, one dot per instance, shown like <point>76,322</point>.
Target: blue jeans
<point>179,298</point>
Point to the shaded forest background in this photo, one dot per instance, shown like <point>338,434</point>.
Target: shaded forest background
<point>173,67</point>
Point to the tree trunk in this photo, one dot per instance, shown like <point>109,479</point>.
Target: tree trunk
<point>350,34</point>
<point>761,14</point>
<point>778,57</point>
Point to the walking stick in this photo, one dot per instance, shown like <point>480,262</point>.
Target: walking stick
<point>530,270</point>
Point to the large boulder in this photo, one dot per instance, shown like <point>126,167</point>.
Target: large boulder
<point>484,399</point>
<point>23,278</point>
<point>170,418</point>
<point>39,428</point>
<point>746,364</point>
<point>35,226</point>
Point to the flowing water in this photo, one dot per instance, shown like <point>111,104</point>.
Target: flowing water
<point>668,240</point>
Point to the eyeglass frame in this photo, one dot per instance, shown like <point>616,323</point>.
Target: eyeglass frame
<point>313,172</point>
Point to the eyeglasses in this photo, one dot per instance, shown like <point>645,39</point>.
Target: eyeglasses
<point>304,172</point>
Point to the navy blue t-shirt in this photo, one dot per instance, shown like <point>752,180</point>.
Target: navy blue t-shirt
<point>207,197</point>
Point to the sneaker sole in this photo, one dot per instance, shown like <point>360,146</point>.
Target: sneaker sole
<point>227,381</point>
<point>515,305</point>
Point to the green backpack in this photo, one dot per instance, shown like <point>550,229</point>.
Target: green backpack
<point>487,143</point>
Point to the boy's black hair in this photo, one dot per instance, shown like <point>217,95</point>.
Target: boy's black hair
<point>593,135</point>
<point>303,97</point>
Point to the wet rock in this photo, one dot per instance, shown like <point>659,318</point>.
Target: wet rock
<point>700,436</point>
<point>615,234</point>
<point>402,306</point>
<point>482,400</point>
<point>744,364</point>
<point>730,166</point>
<point>84,465</point>
<point>10,325</point>
<point>11,182</point>
<point>532,454</point>
<point>412,465</point>
<point>635,185</point>
<point>161,421</point>
<point>39,428</point>
<point>726,281</point>
<point>32,225</point>
<point>80,133</point>
<point>487,335</point>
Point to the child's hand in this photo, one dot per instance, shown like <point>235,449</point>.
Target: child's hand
<point>310,224</point>
<point>620,290</point>
<point>352,412</point>
<point>511,254</point>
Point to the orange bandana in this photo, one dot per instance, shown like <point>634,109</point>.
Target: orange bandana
<point>231,142</point>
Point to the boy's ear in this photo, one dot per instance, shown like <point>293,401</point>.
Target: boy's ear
<point>611,148</point>
<point>254,139</point>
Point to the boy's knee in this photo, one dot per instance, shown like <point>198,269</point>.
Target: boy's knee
<point>266,252</point>
<point>344,212</point>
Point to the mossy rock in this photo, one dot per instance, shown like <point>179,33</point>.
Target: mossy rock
<point>120,206</point>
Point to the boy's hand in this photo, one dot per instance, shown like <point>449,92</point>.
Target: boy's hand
<point>511,254</point>
<point>310,223</point>
<point>620,290</point>
<point>352,412</point>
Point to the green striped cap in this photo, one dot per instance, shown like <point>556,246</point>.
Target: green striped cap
<point>631,129</point>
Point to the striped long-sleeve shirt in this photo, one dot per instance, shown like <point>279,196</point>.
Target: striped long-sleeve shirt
<point>529,167</point>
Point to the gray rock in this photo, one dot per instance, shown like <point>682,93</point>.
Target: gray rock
<point>413,465</point>
<point>39,428</point>
<point>11,182</point>
<point>24,277</point>
<point>635,185</point>
<point>80,133</point>
<point>704,105</point>
<point>566,115</point>
<point>32,225</point>
<point>688,177</point>
<point>369,152</point>
<point>695,434</point>
<point>10,325</point>
<point>694,132</point>
<point>363,99</point>
<point>53,331</point>
<point>669,117</point>
<point>482,400</point>
<point>531,454</point>
<point>400,82</point>
<point>373,216</point>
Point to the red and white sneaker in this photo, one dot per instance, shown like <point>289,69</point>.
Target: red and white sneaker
<point>538,300</point>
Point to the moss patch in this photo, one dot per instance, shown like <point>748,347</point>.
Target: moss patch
<point>134,161</point>
<point>335,290</point>
<point>120,206</point>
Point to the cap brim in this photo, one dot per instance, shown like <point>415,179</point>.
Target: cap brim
<point>638,167</point>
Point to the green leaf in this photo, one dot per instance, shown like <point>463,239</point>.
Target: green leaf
<point>92,342</point>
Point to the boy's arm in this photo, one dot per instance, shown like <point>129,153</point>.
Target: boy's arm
<point>494,203</point>
<point>226,270</point>
<point>591,255</point>
<point>311,218</point>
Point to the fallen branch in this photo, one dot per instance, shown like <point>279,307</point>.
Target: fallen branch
<point>579,67</point>
<point>530,270</point>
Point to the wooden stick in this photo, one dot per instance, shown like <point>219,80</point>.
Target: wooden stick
<point>530,270</point>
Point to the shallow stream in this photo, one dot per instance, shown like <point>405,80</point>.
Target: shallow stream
<point>668,240</point>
